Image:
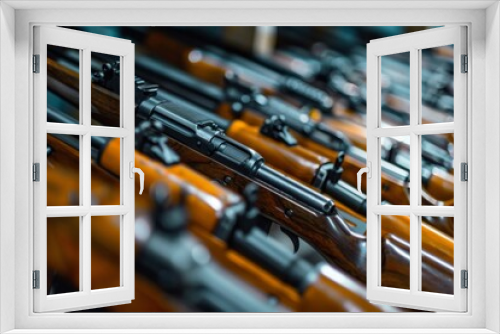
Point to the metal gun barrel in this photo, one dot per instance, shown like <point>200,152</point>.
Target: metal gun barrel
<point>199,133</point>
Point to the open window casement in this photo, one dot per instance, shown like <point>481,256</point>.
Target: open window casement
<point>421,126</point>
<point>80,215</point>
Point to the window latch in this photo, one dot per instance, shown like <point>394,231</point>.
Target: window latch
<point>368,171</point>
<point>138,171</point>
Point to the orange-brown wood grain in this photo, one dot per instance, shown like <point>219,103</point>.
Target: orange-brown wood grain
<point>441,186</point>
<point>249,271</point>
<point>297,161</point>
<point>437,277</point>
<point>205,200</point>
<point>108,108</point>
<point>63,260</point>
<point>434,242</point>
<point>326,295</point>
<point>392,190</point>
<point>63,239</point>
<point>329,235</point>
<point>355,132</point>
<point>322,295</point>
<point>190,59</point>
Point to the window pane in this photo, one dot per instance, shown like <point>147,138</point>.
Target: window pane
<point>437,172</point>
<point>442,224</point>
<point>106,171</point>
<point>437,259</point>
<point>105,94</point>
<point>395,89</point>
<point>105,252</point>
<point>437,85</point>
<point>395,251</point>
<point>63,170</point>
<point>63,255</point>
<point>395,150</point>
<point>63,82</point>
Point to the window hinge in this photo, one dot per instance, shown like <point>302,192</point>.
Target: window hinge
<point>464,172</point>
<point>465,64</point>
<point>465,279</point>
<point>36,172</point>
<point>36,279</point>
<point>36,63</point>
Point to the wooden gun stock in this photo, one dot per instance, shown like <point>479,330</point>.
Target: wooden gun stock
<point>329,235</point>
<point>108,109</point>
<point>325,233</point>
<point>304,165</point>
<point>62,238</point>
<point>393,190</point>
<point>296,161</point>
<point>183,56</point>
<point>205,200</point>
<point>323,295</point>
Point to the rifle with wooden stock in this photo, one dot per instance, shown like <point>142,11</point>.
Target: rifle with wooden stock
<point>319,65</point>
<point>152,264</point>
<point>194,285</point>
<point>240,101</point>
<point>340,233</point>
<point>202,144</point>
<point>214,63</point>
<point>280,150</point>
<point>239,244</point>
<point>62,261</point>
<point>340,74</point>
<point>227,230</point>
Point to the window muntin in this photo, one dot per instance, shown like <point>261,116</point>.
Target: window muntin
<point>68,134</point>
<point>423,207</point>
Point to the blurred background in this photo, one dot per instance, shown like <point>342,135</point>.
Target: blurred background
<point>297,96</point>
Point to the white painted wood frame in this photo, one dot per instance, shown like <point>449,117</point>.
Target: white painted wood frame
<point>86,43</point>
<point>17,19</point>
<point>413,43</point>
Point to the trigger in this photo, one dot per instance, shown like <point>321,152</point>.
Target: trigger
<point>293,238</point>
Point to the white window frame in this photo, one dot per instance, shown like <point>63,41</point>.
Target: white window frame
<point>85,43</point>
<point>412,43</point>
<point>484,102</point>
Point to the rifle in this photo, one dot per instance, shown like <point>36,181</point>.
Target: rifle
<point>335,72</point>
<point>206,54</point>
<point>325,233</point>
<point>62,260</point>
<point>251,163</point>
<point>341,231</point>
<point>197,280</point>
<point>295,276</point>
<point>105,234</point>
<point>200,286</point>
<point>204,139</point>
<point>308,133</point>
<point>394,188</point>
<point>243,102</point>
<point>292,159</point>
<point>198,116</point>
<point>211,64</point>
